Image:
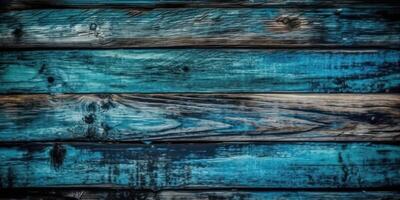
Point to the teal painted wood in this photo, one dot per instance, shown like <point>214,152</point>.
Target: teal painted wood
<point>21,4</point>
<point>223,165</point>
<point>199,70</point>
<point>123,194</point>
<point>206,117</point>
<point>243,195</point>
<point>262,27</point>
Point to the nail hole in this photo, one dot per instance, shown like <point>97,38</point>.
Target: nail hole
<point>50,79</point>
<point>185,68</point>
<point>18,32</point>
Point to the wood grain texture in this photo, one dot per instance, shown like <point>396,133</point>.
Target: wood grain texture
<point>36,4</point>
<point>172,27</point>
<point>123,194</point>
<point>207,165</point>
<point>200,117</point>
<point>199,70</point>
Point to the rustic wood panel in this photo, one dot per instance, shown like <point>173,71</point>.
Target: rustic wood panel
<point>200,117</point>
<point>171,27</point>
<point>123,194</point>
<point>36,4</point>
<point>207,165</point>
<point>199,70</point>
<point>112,144</point>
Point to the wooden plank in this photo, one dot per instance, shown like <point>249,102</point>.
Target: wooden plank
<point>202,166</point>
<point>199,70</point>
<point>122,194</point>
<point>171,27</point>
<point>206,117</point>
<point>35,4</point>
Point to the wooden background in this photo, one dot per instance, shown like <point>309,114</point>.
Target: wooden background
<point>200,99</point>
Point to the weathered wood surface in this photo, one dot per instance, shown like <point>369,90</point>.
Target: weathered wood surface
<point>36,4</point>
<point>200,117</point>
<point>123,194</point>
<point>172,27</point>
<point>207,165</point>
<point>199,70</point>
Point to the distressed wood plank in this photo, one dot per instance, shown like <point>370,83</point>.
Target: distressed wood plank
<point>212,165</point>
<point>199,70</point>
<point>200,117</point>
<point>35,4</point>
<point>122,194</point>
<point>262,27</point>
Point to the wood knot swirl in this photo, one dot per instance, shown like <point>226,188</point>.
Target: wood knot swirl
<point>287,23</point>
<point>291,22</point>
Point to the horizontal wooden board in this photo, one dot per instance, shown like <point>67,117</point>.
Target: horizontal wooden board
<point>199,117</point>
<point>199,70</point>
<point>209,165</point>
<point>35,4</point>
<point>172,27</point>
<point>106,194</point>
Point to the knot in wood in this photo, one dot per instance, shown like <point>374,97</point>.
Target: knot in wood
<point>93,26</point>
<point>290,21</point>
<point>18,32</point>
<point>89,119</point>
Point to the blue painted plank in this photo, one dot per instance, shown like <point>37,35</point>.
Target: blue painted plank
<point>212,165</point>
<point>34,4</point>
<point>123,194</point>
<point>200,117</point>
<point>199,70</point>
<point>171,27</point>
